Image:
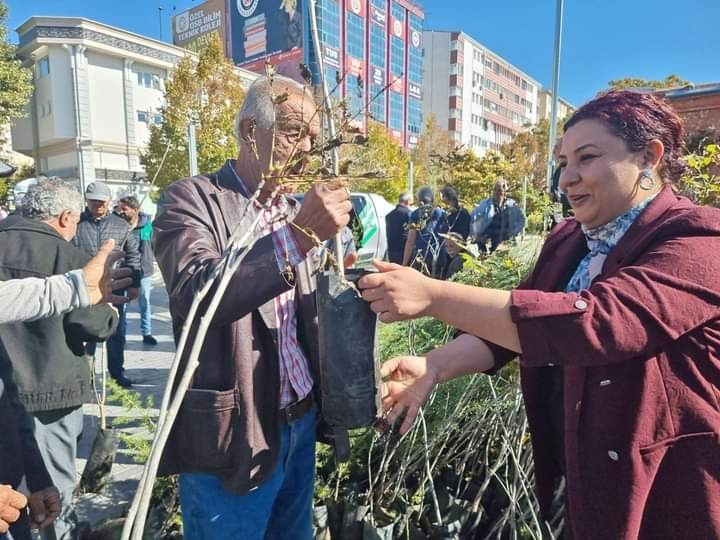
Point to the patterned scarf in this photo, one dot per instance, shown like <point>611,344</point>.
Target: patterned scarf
<point>601,240</point>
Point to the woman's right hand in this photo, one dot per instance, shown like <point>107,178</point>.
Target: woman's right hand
<point>408,381</point>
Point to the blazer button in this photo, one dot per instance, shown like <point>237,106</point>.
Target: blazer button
<point>581,304</point>
<point>612,454</point>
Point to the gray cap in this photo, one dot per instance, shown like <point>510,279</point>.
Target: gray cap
<point>98,191</point>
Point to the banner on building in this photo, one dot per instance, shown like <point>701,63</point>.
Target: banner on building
<point>397,85</point>
<point>378,76</point>
<point>354,66</point>
<point>416,38</point>
<point>378,16</point>
<point>192,28</point>
<point>414,91</point>
<point>398,27</point>
<point>262,30</point>
<point>331,56</point>
<point>356,7</point>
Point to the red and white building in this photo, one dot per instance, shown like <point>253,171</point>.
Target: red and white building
<point>480,98</point>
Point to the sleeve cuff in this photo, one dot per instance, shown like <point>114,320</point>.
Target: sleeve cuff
<point>80,287</point>
<point>287,249</point>
<point>536,315</point>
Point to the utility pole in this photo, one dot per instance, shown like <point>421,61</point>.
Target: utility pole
<point>555,87</point>
<point>411,177</point>
<point>160,10</point>
<point>192,149</point>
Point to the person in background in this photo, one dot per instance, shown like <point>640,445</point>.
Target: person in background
<point>98,224</point>
<point>141,224</point>
<point>396,227</point>
<point>497,218</point>
<point>422,247</point>
<point>47,356</point>
<point>30,299</point>
<point>617,330</point>
<point>455,227</point>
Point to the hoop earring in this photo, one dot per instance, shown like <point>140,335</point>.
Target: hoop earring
<point>646,182</point>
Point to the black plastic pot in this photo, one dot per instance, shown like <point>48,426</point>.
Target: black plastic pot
<point>349,375</point>
<point>96,474</point>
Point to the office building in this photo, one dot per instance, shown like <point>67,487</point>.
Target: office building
<point>479,97</point>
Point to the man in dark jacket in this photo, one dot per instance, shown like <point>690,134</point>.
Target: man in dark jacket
<point>141,224</point>
<point>52,375</point>
<point>98,224</point>
<point>396,228</point>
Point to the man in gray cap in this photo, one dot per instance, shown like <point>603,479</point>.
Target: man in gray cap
<point>98,224</point>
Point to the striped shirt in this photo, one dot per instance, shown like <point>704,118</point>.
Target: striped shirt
<point>295,378</point>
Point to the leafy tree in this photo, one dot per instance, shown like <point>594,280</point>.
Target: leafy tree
<point>15,80</point>
<point>472,176</point>
<point>671,81</point>
<point>702,179</point>
<point>383,154</point>
<point>204,89</point>
<point>432,144</point>
<point>528,153</point>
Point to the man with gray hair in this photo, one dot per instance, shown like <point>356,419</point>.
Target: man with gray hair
<point>244,440</point>
<point>396,228</point>
<point>52,375</point>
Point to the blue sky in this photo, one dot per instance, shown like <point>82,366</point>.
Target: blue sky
<point>602,40</point>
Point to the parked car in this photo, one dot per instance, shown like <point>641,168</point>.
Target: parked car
<point>368,225</point>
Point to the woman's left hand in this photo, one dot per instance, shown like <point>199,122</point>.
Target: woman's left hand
<point>397,292</point>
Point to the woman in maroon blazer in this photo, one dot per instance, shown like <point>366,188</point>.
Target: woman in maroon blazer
<point>617,330</point>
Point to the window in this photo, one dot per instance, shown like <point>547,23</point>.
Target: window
<point>148,80</point>
<point>354,97</point>
<point>43,67</point>
<point>142,116</point>
<point>377,105</point>
<point>329,22</point>
<point>332,75</point>
<point>397,106</point>
<point>157,119</point>
<point>415,54</point>
<point>377,46</point>
<point>355,29</point>
<point>397,45</point>
<point>397,56</point>
<point>414,116</point>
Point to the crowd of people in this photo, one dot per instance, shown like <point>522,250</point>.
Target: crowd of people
<point>616,329</point>
<point>46,362</point>
<point>431,237</point>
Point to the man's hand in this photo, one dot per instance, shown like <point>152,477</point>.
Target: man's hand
<point>44,507</point>
<point>408,381</point>
<point>397,292</point>
<point>324,211</point>
<point>102,279</point>
<point>11,502</point>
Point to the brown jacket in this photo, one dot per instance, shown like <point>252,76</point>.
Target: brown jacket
<point>640,354</point>
<point>229,422</point>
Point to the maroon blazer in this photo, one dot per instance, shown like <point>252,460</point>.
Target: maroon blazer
<point>640,353</point>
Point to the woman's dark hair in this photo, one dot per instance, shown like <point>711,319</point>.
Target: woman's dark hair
<point>450,195</point>
<point>637,118</point>
<point>425,195</point>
